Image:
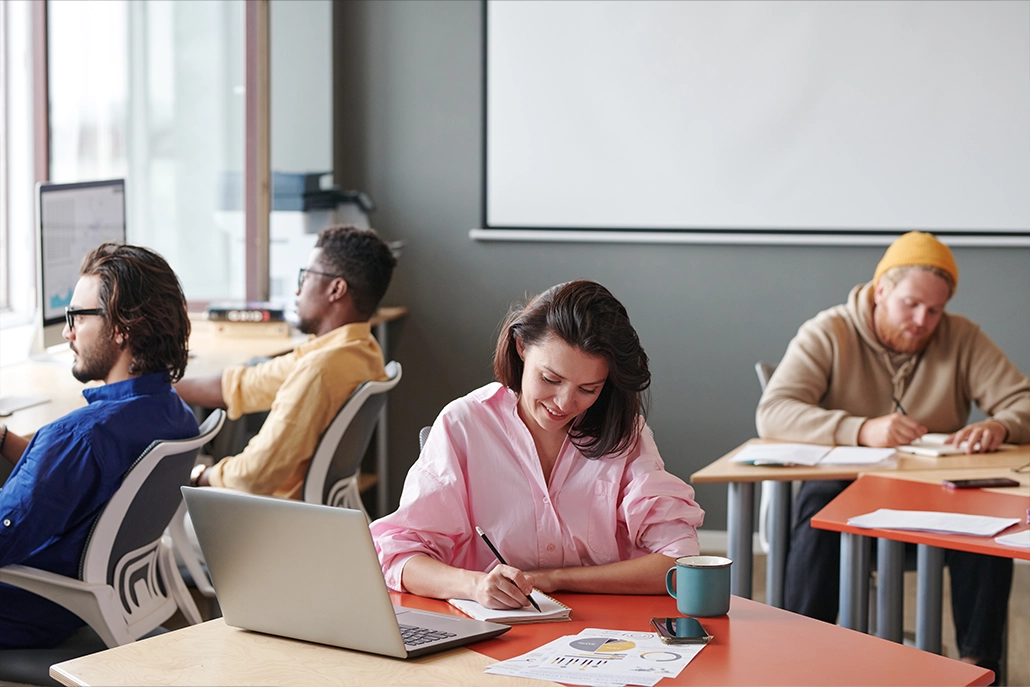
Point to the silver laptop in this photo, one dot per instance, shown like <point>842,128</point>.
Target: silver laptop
<point>311,572</point>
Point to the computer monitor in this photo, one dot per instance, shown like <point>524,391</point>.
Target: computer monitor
<point>72,220</point>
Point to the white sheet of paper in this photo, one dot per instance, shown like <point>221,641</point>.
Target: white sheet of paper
<point>781,454</point>
<point>1020,539</point>
<point>933,521</point>
<point>549,610</point>
<point>856,455</point>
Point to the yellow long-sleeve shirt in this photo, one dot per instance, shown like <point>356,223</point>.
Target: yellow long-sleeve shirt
<point>303,391</point>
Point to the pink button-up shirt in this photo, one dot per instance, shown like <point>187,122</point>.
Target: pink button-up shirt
<point>480,467</point>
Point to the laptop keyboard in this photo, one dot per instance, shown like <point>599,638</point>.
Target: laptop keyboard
<point>415,636</point>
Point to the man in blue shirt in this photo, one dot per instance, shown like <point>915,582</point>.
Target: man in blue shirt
<point>127,326</point>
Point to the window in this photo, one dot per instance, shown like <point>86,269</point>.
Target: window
<point>17,219</point>
<point>157,100</point>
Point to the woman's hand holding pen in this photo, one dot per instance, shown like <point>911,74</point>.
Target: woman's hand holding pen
<point>503,587</point>
<point>896,429</point>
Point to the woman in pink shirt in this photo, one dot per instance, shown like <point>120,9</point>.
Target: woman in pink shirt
<point>555,463</point>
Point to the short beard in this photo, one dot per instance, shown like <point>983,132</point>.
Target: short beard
<point>895,339</point>
<point>307,326</point>
<point>96,363</point>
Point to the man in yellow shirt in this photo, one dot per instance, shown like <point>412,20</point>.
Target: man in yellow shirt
<point>347,274</point>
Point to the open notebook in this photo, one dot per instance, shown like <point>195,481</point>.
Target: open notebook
<point>933,445</point>
<point>551,611</point>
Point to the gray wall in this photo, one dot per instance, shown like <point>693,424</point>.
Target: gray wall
<point>408,122</point>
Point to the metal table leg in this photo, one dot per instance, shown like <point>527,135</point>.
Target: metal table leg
<point>854,581</point>
<point>779,541</point>
<point>929,588</point>
<point>382,454</point>
<point>740,523</point>
<point>890,589</point>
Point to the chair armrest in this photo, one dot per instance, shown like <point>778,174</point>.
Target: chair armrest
<point>90,601</point>
<point>33,579</point>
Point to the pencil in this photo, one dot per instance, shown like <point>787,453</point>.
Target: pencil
<point>500,559</point>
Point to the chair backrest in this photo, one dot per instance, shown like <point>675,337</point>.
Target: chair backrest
<point>343,444</point>
<point>423,434</point>
<point>121,548</point>
<point>764,371</point>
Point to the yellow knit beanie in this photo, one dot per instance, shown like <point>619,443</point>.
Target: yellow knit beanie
<point>918,248</point>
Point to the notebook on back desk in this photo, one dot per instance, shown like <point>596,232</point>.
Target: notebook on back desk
<point>311,572</point>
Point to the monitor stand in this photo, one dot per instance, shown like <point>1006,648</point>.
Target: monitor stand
<point>46,348</point>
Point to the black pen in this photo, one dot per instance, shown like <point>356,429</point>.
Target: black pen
<point>500,559</point>
<point>898,404</point>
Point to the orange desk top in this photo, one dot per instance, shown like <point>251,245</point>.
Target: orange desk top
<point>754,645</point>
<point>871,492</point>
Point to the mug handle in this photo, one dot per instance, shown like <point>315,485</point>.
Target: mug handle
<point>668,582</point>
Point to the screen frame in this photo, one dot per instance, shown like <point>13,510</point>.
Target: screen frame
<point>740,234</point>
<point>52,326</point>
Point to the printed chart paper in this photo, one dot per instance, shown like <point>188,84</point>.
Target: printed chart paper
<point>602,657</point>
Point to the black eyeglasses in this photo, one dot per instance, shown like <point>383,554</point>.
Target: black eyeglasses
<point>304,271</point>
<point>71,313</point>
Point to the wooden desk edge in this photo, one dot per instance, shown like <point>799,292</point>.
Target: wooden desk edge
<point>388,313</point>
<point>724,471</point>
<point>457,666</point>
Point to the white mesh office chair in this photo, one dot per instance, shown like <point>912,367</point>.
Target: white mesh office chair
<point>128,583</point>
<point>332,477</point>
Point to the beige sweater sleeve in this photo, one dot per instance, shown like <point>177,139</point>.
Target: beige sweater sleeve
<point>999,388</point>
<point>789,409</point>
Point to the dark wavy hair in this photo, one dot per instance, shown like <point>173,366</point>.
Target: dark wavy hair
<point>586,316</point>
<point>363,260</point>
<point>141,297</point>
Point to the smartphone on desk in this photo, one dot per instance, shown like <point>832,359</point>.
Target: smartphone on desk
<point>984,483</point>
<point>680,631</point>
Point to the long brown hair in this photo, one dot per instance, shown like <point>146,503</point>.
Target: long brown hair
<point>586,316</point>
<point>141,297</point>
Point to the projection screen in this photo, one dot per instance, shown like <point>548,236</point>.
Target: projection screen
<point>762,117</point>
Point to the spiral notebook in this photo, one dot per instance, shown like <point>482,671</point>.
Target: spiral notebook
<point>551,611</point>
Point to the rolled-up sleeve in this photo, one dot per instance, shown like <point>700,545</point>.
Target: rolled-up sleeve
<point>433,516</point>
<point>658,508</point>
<point>253,389</point>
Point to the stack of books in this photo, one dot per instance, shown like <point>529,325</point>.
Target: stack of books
<point>248,319</point>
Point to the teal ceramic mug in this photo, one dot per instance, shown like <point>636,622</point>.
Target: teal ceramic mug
<point>702,585</point>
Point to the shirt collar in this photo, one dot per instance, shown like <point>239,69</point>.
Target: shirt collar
<point>355,331</point>
<point>144,385</point>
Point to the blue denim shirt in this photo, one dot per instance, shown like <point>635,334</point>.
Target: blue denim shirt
<point>68,473</point>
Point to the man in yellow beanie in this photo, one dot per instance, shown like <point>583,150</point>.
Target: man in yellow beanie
<point>881,370</point>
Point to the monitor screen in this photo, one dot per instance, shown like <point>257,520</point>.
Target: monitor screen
<point>73,220</point>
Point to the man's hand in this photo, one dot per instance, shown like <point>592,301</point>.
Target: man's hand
<point>889,431</point>
<point>503,587</point>
<point>13,446</point>
<point>981,437</point>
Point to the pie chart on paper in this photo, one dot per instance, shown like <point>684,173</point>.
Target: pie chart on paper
<point>602,645</point>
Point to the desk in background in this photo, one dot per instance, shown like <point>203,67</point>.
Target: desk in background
<point>740,479</point>
<point>913,491</point>
<point>754,644</point>
<point>210,354</point>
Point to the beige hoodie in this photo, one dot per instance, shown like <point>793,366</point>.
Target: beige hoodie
<point>836,374</point>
